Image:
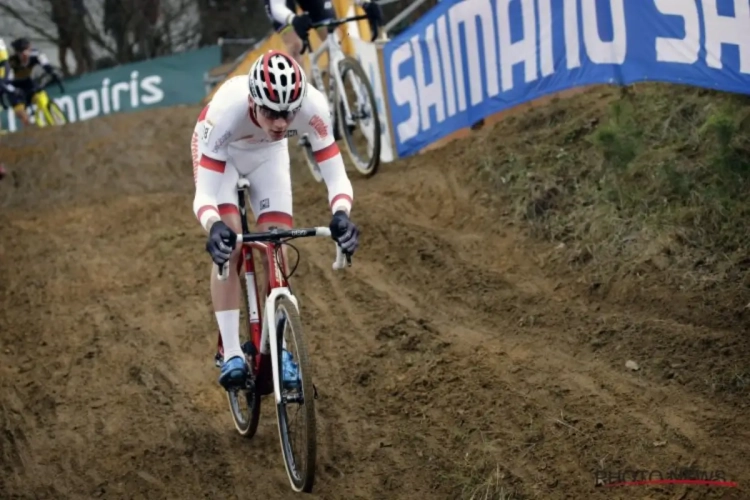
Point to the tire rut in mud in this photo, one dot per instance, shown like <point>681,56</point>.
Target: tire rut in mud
<point>449,361</point>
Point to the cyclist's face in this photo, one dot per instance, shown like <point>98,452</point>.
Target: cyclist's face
<point>25,54</point>
<point>275,124</point>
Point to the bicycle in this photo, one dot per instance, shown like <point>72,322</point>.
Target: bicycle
<point>264,348</point>
<point>339,66</point>
<point>47,111</point>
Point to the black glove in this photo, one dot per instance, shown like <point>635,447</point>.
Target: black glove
<point>344,232</point>
<point>374,17</point>
<point>302,24</point>
<point>221,242</point>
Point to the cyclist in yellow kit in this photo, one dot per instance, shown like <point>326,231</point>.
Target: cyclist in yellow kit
<point>6,88</point>
<point>22,63</point>
<point>4,82</point>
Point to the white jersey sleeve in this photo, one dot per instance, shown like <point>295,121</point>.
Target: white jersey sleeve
<point>214,130</point>
<point>315,118</point>
<point>279,11</point>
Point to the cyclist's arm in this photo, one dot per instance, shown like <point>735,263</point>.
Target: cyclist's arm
<point>328,156</point>
<point>209,175</point>
<point>43,61</point>
<point>5,73</point>
<point>280,12</point>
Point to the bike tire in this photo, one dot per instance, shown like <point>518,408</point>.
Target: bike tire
<point>249,396</point>
<point>369,168</point>
<point>301,480</point>
<point>54,108</point>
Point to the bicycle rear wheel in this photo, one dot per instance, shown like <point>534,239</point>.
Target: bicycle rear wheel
<point>244,402</point>
<point>300,463</point>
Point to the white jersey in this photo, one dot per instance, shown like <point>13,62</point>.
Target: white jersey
<point>227,132</point>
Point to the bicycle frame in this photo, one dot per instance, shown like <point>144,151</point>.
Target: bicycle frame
<point>262,322</point>
<point>331,46</point>
<point>40,100</point>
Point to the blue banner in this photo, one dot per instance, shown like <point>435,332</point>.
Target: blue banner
<point>466,60</point>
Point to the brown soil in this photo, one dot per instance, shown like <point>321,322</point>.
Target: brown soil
<point>455,359</point>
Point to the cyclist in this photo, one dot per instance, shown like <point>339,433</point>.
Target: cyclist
<point>293,27</point>
<point>22,64</point>
<point>6,88</point>
<point>243,132</point>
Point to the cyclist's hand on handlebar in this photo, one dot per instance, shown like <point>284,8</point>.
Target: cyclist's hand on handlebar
<point>302,24</point>
<point>344,232</point>
<point>221,242</point>
<point>374,16</point>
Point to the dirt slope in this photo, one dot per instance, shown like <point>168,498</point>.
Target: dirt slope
<point>452,360</point>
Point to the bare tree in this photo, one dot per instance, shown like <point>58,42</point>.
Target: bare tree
<point>232,19</point>
<point>106,32</point>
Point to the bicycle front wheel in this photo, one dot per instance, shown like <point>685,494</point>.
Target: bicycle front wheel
<point>364,151</point>
<point>298,442</point>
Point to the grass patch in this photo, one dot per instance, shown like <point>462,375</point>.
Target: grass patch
<point>632,179</point>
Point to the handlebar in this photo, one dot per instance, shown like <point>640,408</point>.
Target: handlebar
<point>331,24</point>
<point>342,260</point>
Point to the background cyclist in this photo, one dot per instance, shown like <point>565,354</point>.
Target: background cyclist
<point>294,27</point>
<point>22,64</point>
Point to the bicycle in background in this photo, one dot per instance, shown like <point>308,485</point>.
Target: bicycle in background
<point>46,112</point>
<point>362,111</point>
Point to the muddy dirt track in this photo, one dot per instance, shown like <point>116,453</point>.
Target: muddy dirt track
<point>452,360</point>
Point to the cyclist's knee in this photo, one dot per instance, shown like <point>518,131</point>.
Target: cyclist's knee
<point>293,44</point>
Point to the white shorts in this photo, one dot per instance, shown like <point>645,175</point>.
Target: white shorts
<point>268,171</point>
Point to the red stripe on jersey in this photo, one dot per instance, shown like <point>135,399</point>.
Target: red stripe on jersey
<point>228,208</point>
<point>204,112</point>
<point>212,164</point>
<point>341,197</point>
<point>276,218</point>
<point>326,153</point>
<point>204,209</point>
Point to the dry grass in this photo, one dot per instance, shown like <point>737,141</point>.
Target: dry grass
<point>652,176</point>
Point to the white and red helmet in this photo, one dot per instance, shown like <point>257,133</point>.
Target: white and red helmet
<point>277,82</point>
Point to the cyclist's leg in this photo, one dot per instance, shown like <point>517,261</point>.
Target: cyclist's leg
<point>293,44</point>
<point>271,203</point>
<point>225,295</point>
<point>291,41</point>
<point>19,104</point>
<point>41,101</point>
<point>271,192</point>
